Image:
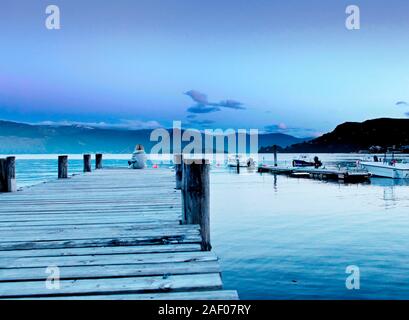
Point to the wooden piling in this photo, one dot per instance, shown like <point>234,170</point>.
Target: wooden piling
<point>238,166</point>
<point>62,167</point>
<point>275,155</point>
<point>87,163</point>
<point>183,191</point>
<point>11,174</point>
<point>8,175</point>
<point>2,175</point>
<point>178,159</point>
<point>98,161</point>
<point>196,202</point>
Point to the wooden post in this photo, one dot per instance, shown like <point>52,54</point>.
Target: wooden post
<point>197,198</point>
<point>275,155</point>
<point>98,161</point>
<point>8,175</point>
<point>62,167</point>
<point>178,159</point>
<point>238,166</point>
<point>183,190</point>
<point>3,181</point>
<point>87,163</point>
<point>11,174</point>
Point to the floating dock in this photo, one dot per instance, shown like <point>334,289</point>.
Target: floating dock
<point>320,173</point>
<point>110,234</point>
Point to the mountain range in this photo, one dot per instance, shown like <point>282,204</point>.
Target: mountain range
<point>381,134</point>
<point>18,138</point>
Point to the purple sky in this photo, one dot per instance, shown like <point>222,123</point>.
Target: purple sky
<point>286,66</point>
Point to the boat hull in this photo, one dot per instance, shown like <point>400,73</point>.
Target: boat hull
<point>386,171</point>
<point>234,165</point>
<point>303,164</point>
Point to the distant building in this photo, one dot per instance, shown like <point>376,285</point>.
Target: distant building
<point>376,149</point>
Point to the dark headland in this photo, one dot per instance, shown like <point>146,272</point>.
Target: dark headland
<point>377,135</point>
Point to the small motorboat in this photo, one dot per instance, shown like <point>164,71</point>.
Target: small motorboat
<point>232,161</point>
<point>387,169</point>
<point>303,162</point>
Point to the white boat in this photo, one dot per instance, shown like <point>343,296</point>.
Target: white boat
<point>243,161</point>
<point>390,169</point>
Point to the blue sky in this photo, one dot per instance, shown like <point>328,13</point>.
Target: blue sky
<point>287,66</point>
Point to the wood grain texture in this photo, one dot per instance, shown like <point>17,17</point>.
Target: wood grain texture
<point>113,234</point>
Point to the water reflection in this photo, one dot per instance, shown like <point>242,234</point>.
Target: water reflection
<point>385,182</point>
<point>390,187</point>
<point>275,183</point>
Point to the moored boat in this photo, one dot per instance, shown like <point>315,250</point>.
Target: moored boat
<point>303,162</point>
<point>232,161</point>
<point>392,169</point>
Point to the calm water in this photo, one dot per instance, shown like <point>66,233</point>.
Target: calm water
<point>286,238</point>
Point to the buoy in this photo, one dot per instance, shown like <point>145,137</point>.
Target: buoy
<point>155,166</point>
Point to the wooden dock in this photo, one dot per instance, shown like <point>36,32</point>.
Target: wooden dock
<point>344,175</point>
<point>112,234</point>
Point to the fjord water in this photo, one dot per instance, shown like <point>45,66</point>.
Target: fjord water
<point>287,238</point>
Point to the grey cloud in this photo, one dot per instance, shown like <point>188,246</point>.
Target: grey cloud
<point>204,106</point>
<point>201,108</point>
<point>198,97</point>
<point>276,128</point>
<point>123,124</point>
<point>231,104</point>
<point>201,122</point>
<point>299,132</point>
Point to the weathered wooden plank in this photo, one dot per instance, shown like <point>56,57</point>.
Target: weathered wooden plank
<point>111,271</point>
<point>108,215</point>
<point>197,295</point>
<point>87,221</point>
<point>103,232</point>
<point>114,234</point>
<point>78,206</point>
<point>138,215</point>
<point>56,193</point>
<point>116,285</point>
<point>150,239</point>
<point>100,251</point>
<point>107,227</point>
<point>174,257</point>
<point>89,212</point>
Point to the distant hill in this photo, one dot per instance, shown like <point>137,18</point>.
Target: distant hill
<point>17,138</point>
<point>280,139</point>
<point>355,136</point>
